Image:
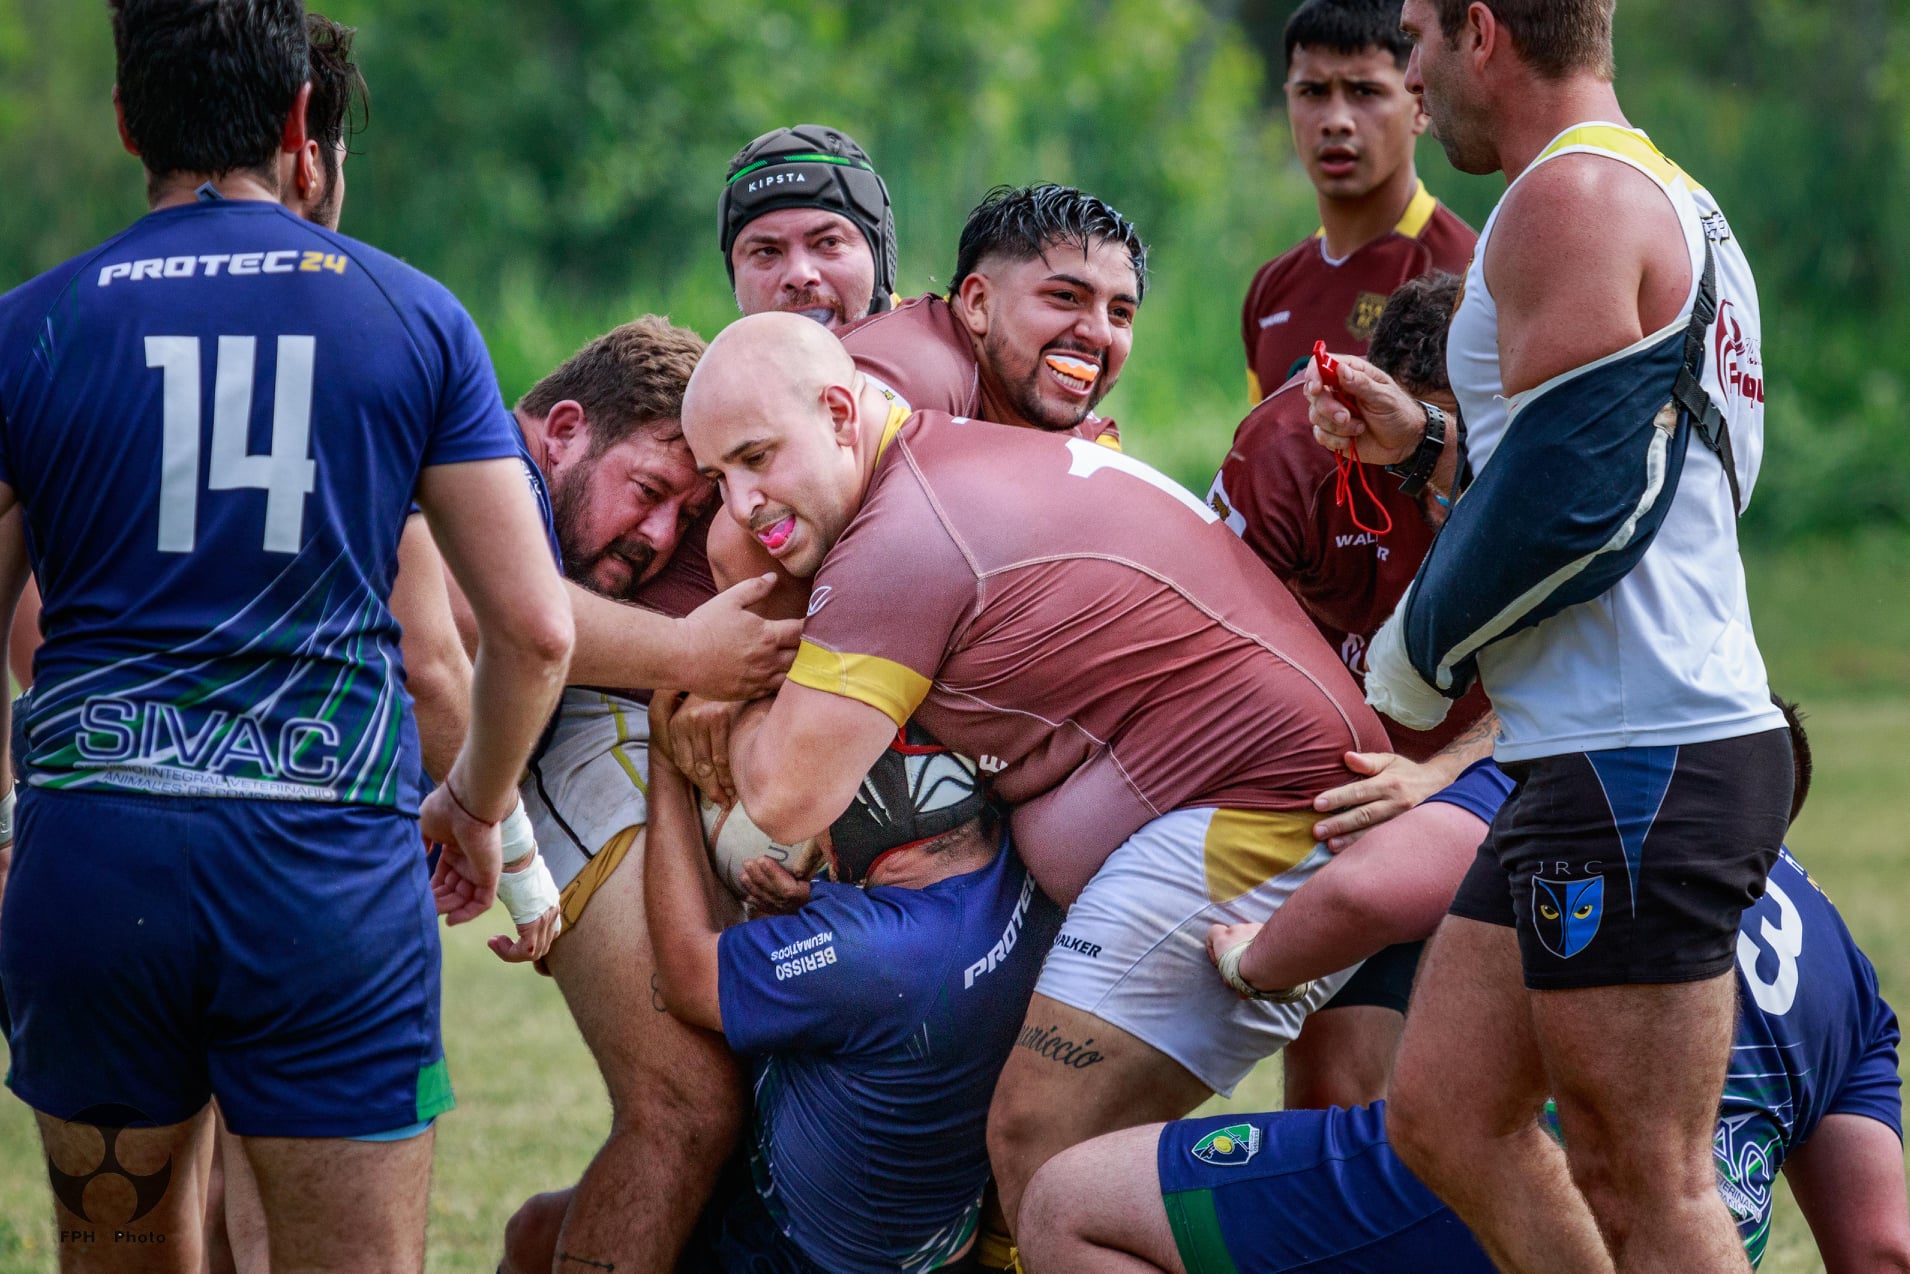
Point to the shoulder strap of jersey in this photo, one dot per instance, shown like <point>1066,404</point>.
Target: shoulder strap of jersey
<point>1689,391</point>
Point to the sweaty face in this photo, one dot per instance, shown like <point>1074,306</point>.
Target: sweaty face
<point>1353,120</point>
<point>785,477</point>
<point>620,514</point>
<point>804,261</point>
<point>1437,73</point>
<point>1055,330</point>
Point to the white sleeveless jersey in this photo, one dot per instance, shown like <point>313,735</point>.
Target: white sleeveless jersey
<point>1666,656</point>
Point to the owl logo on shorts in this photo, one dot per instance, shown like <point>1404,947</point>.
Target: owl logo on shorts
<point>1565,913</point>
<point>1229,1147</point>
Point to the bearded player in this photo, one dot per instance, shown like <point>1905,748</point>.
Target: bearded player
<point>1128,804</point>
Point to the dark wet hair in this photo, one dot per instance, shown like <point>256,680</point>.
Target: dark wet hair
<point>206,85</point>
<point>1348,26</point>
<point>341,102</point>
<point>1409,341</point>
<point>1023,222</point>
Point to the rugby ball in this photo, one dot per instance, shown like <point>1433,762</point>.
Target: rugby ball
<point>733,840</point>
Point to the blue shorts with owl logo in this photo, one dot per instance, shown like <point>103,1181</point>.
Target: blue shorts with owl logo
<point>1632,865</point>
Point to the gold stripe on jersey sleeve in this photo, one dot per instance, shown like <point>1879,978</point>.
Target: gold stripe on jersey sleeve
<point>1254,394</point>
<point>883,684</point>
<point>1419,211</point>
<point>1109,441</point>
<point>1246,848</point>
<point>1625,143</point>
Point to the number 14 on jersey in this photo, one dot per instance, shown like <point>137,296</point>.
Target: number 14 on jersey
<point>286,473</point>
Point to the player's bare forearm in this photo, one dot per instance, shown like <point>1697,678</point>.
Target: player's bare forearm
<point>437,670</point>
<point>1848,1180</point>
<point>736,556</point>
<point>681,896</point>
<point>721,651</point>
<point>1474,743</point>
<point>797,759</point>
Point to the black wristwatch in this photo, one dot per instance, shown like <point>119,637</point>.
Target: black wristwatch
<point>1417,468</point>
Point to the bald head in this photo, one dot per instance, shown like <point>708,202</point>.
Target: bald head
<point>767,365</point>
<point>774,413</point>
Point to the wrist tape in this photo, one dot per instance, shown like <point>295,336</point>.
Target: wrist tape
<point>529,893</point>
<point>1230,971</point>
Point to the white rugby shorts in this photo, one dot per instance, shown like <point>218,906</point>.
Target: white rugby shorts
<point>590,781</point>
<point>1133,950</point>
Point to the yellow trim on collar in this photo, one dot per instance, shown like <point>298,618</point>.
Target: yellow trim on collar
<point>888,687</point>
<point>898,416</point>
<point>1419,211</point>
<point>1625,143</point>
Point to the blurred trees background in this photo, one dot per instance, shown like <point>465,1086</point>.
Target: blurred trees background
<point>557,164</point>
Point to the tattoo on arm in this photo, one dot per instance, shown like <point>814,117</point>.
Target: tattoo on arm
<point>656,995</point>
<point>566,1258</point>
<point>1485,729</point>
<point>1048,1042</point>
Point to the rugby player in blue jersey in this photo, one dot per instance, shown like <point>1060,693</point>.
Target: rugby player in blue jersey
<point>216,423</point>
<point>875,1020</point>
<point>1812,1090</point>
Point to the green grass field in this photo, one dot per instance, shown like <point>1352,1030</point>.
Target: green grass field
<point>531,1110</point>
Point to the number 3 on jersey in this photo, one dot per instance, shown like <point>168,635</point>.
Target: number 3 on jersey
<point>286,473</point>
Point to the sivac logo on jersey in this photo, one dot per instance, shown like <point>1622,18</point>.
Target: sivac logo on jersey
<point>145,734</point>
<point>1565,913</point>
<point>1228,1147</point>
<point>1746,1150</point>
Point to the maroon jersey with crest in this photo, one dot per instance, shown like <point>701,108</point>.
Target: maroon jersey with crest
<point>1301,296</point>
<point>1276,491</point>
<point>921,352</point>
<point>1086,629</point>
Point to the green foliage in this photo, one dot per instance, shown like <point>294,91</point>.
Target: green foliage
<point>558,166</point>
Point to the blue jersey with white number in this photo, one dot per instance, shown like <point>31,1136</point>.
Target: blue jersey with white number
<point>1814,1038</point>
<point>215,422</point>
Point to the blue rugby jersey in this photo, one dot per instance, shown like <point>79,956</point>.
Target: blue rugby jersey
<point>1815,1038</point>
<point>215,421</point>
<point>879,1021</point>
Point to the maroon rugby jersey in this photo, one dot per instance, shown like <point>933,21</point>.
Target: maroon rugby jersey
<point>921,351</point>
<point>685,583</point>
<point>1301,297</point>
<point>1275,490</point>
<point>1086,629</point>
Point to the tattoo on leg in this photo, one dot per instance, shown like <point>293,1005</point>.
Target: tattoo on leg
<point>656,995</point>
<point>1046,1041</point>
<point>566,1258</point>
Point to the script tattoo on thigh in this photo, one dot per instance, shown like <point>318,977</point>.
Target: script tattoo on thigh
<point>1048,1042</point>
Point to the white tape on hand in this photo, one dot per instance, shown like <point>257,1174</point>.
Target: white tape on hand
<point>517,834</point>
<point>529,893</point>
<point>6,815</point>
<point>1229,963</point>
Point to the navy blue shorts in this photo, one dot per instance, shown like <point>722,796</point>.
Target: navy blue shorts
<point>1304,1190</point>
<point>280,956</point>
<point>1633,865</point>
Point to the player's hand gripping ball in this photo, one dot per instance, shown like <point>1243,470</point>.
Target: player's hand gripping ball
<point>734,840</point>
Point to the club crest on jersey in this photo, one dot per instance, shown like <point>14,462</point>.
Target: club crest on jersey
<point>1565,913</point>
<point>1365,315</point>
<point>1229,1147</point>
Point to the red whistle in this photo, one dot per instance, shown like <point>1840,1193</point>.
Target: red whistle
<point>1329,372</point>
